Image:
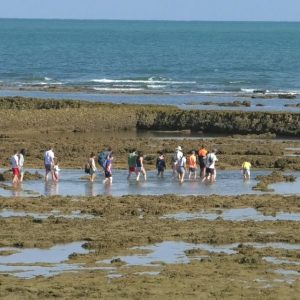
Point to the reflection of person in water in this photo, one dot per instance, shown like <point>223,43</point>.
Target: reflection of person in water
<point>51,188</point>
<point>90,189</point>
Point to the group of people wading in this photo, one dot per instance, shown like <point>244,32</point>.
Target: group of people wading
<point>180,162</point>
<point>181,165</point>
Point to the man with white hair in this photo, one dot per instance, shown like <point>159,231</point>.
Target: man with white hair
<point>178,154</point>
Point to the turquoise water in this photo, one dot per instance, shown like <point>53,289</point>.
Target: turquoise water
<point>151,57</point>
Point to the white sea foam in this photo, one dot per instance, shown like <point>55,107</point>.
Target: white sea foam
<point>210,92</point>
<point>238,81</point>
<point>148,81</point>
<point>153,86</point>
<point>47,78</point>
<point>118,89</point>
<point>248,90</point>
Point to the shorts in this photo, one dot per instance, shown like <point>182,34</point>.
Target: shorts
<point>131,169</point>
<point>92,171</point>
<point>22,171</point>
<point>180,170</point>
<point>160,169</point>
<point>48,167</point>
<point>108,174</point>
<point>192,170</point>
<point>246,172</point>
<point>140,169</point>
<point>202,162</point>
<point>16,171</point>
<point>210,171</point>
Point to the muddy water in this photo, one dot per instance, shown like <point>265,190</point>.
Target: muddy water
<point>72,183</point>
<point>9,213</point>
<point>236,215</point>
<point>174,252</point>
<point>27,263</point>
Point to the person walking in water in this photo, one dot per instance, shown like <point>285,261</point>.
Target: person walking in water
<point>181,166</point>
<point>175,159</point>
<point>92,164</point>
<point>108,170</point>
<point>245,169</point>
<point>15,165</point>
<point>202,160</point>
<point>160,165</point>
<point>210,167</point>
<point>21,163</point>
<point>192,165</point>
<point>140,166</point>
<point>56,170</point>
<point>49,163</point>
<point>132,164</point>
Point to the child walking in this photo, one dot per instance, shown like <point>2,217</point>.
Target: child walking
<point>160,165</point>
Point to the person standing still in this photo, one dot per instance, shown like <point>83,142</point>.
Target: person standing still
<point>49,163</point>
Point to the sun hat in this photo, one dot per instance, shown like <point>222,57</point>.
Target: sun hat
<point>178,148</point>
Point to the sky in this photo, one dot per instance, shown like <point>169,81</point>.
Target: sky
<point>216,10</point>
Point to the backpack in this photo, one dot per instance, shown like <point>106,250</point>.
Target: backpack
<point>210,159</point>
<point>102,157</point>
<point>132,159</point>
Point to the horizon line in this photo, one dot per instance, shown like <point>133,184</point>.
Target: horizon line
<point>146,20</point>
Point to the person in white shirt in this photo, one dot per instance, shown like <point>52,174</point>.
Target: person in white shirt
<point>49,163</point>
<point>178,154</point>
<point>21,163</point>
<point>210,166</point>
<point>14,161</point>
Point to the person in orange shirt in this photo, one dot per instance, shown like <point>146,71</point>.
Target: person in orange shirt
<point>192,165</point>
<point>202,153</point>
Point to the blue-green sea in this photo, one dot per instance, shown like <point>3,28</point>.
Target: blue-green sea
<point>151,57</point>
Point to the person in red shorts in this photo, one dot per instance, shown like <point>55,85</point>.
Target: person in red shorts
<point>15,167</point>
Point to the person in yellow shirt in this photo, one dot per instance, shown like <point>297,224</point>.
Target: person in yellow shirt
<point>246,169</point>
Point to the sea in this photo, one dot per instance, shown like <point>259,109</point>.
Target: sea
<point>164,62</point>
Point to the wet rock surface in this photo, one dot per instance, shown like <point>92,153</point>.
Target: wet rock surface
<point>77,128</point>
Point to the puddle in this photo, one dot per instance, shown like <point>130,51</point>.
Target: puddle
<point>173,252</point>
<point>293,149</point>
<point>31,261</point>
<point>229,182</point>
<point>9,213</point>
<point>287,272</point>
<point>277,261</point>
<point>236,215</point>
